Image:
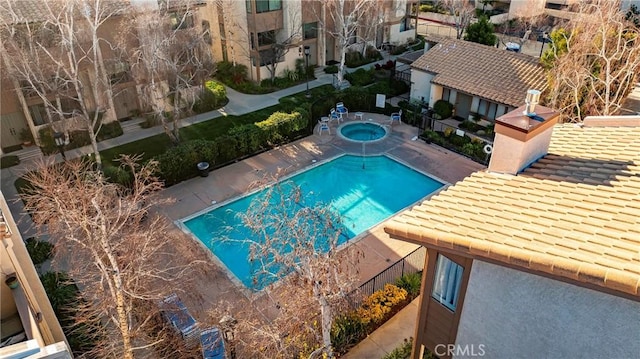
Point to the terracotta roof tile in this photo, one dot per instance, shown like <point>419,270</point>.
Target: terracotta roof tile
<point>574,213</point>
<point>484,71</point>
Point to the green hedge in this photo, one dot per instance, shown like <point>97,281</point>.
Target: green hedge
<point>179,163</point>
<point>9,160</point>
<point>361,77</point>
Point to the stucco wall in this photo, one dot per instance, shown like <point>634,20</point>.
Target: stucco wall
<point>420,85</point>
<point>520,315</point>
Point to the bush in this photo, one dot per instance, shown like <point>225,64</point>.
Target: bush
<point>8,161</point>
<point>410,283</point>
<point>401,352</point>
<point>230,74</point>
<point>360,77</point>
<point>117,175</point>
<point>347,330</point>
<point>399,50</point>
<point>108,130</point>
<point>355,58</point>
<point>443,109</point>
<point>376,307</point>
<point>39,251</point>
<point>65,300</point>
<point>212,97</point>
<point>179,162</point>
<point>331,69</point>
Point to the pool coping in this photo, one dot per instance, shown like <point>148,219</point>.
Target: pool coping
<point>371,122</point>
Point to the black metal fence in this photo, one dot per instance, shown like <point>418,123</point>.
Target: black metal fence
<point>411,263</point>
<point>484,157</point>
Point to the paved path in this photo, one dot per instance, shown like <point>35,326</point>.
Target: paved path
<point>389,336</point>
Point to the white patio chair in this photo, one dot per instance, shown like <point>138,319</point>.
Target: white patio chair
<point>335,116</point>
<point>323,124</point>
<point>396,116</point>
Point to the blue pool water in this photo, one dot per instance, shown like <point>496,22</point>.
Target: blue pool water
<point>363,190</point>
<point>363,131</point>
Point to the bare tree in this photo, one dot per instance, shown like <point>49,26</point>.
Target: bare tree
<point>58,57</point>
<point>121,257</point>
<point>462,12</point>
<point>340,19</point>
<point>280,41</point>
<point>593,64</point>
<point>169,55</point>
<point>297,244</point>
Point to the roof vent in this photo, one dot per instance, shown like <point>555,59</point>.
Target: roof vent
<point>532,99</point>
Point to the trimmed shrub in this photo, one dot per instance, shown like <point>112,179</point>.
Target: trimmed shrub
<point>377,306</point>
<point>179,162</point>
<point>108,130</point>
<point>331,69</point>
<point>443,109</point>
<point>9,160</point>
<point>212,97</point>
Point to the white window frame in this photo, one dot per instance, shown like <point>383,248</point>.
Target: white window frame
<point>447,282</point>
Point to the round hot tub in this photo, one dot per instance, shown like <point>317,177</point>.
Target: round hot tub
<point>362,131</point>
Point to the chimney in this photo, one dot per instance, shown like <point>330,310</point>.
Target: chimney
<point>522,136</point>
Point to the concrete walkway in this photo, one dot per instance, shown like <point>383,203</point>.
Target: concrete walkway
<point>389,336</point>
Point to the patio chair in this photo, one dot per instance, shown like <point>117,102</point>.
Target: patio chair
<point>334,116</point>
<point>323,124</point>
<point>212,344</point>
<point>341,110</point>
<point>396,116</point>
<point>176,313</point>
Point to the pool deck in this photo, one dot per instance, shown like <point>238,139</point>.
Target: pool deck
<point>231,181</point>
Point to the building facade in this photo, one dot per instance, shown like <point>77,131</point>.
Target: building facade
<point>27,321</point>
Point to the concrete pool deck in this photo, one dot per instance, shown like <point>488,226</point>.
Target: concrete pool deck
<point>228,182</point>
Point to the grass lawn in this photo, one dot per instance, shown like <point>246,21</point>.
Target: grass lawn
<point>209,130</point>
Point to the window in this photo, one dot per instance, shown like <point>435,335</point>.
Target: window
<point>268,5</point>
<point>268,57</point>
<point>38,114</point>
<point>267,38</point>
<point>119,73</point>
<point>446,94</point>
<point>248,2</point>
<point>181,20</point>
<point>310,31</point>
<point>206,32</point>
<point>406,24</point>
<point>446,284</point>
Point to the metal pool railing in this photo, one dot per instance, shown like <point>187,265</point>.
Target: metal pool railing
<point>411,263</point>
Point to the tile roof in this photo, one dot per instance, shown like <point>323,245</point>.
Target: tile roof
<point>485,71</point>
<point>575,213</point>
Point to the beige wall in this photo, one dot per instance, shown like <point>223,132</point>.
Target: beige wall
<point>514,314</point>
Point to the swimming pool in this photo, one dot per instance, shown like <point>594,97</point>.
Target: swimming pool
<point>364,190</point>
<point>362,131</point>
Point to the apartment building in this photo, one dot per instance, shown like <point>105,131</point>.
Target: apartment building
<point>28,325</point>
<point>254,32</point>
<point>44,95</point>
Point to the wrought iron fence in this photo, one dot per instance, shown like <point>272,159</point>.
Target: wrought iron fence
<point>440,126</point>
<point>411,263</point>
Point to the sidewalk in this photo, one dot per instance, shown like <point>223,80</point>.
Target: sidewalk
<point>389,336</point>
